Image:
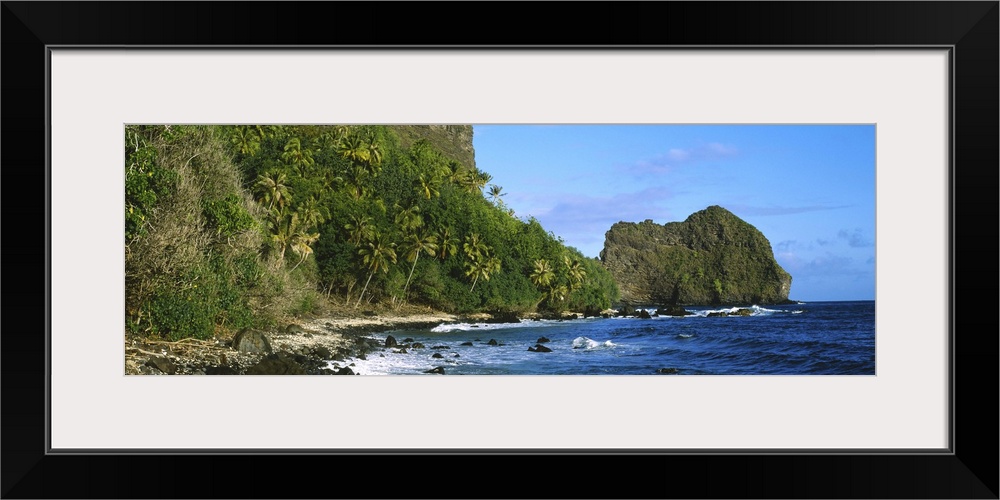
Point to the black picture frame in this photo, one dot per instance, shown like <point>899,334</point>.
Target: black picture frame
<point>969,28</point>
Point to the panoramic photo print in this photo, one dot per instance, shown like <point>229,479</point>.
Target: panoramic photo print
<point>499,249</point>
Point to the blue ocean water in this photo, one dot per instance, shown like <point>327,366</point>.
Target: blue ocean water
<point>816,338</point>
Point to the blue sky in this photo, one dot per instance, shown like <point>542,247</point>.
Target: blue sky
<point>810,189</point>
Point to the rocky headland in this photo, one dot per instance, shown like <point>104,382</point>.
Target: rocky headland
<point>713,257</point>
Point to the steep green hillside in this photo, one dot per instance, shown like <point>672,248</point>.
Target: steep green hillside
<point>713,257</point>
<point>235,226</point>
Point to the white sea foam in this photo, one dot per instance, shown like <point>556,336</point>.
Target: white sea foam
<point>465,327</point>
<point>754,311</point>
<point>685,335</point>
<point>586,343</point>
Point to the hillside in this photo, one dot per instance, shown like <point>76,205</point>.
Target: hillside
<point>242,226</point>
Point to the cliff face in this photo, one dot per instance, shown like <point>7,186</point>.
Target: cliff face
<point>713,257</point>
<point>455,141</point>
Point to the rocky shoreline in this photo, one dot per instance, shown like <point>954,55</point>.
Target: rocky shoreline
<point>321,346</point>
<point>301,348</point>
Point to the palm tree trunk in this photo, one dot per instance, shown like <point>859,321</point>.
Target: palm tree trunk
<point>297,263</point>
<point>363,290</point>
<point>414,266</point>
<point>474,283</point>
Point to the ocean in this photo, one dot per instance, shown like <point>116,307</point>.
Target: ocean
<point>815,338</point>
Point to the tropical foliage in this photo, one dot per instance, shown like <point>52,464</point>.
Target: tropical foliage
<point>236,226</point>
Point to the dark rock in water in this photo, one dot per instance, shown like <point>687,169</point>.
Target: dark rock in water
<point>673,310</point>
<point>720,314</point>
<point>503,317</point>
<point>417,345</point>
<point>252,342</point>
<point>667,371</point>
<point>626,311</point>
<point>605,315</point>
<point>345,371</point>
<point>492,342</point>
<point>542,340</point>
<point>438,370</point>
<point>466,343</point>
<point>591,312</point>
<point>390,341</point>
<point>679,262</point>
<point>742,312</point>
<point>163,364</point>
<point>295,329</point>
<point>440,347</point>
<point>570,316</point>
<point>323,352</point>
<point>280,363</point>
<point>539,348</point>
<point>220,370</point>
<point>437,355</point>
<point>362,357</point>
<point>401,351</point>
<point>456,355</point>
<point>644,314</point>
<point>408,339</point>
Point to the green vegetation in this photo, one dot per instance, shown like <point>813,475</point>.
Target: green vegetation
<point>229,227</point>
<point>713,257</point>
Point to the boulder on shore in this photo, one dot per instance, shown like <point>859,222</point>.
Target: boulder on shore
<point>280,363</point>
<point>252,342</point>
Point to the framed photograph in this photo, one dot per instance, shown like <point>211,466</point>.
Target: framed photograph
<point>911,86</point>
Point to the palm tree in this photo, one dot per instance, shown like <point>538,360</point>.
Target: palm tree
<point>479,179</point>
<point>496,194</point>
<point>361,151</point>
<point>447,244</point>
<point>374,154</point>
<point>246,140</point>
<point>301,242</point>
<point>483,267</point>
<point>353,148</point>
<point>542,275</point>
<point>428,187</point>
<point>283,226</point>
<point>359,228</point>
<point>409,219</point>
<point>473,246</point>
<point>312,213</point>
<point>576,273</point>
<point>558,293</point>
<point>297,157</point>
<point>416,243</point>
<point>273,187</point>
<point>377,254</point>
